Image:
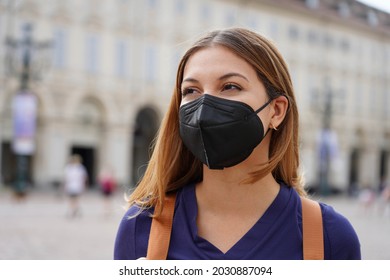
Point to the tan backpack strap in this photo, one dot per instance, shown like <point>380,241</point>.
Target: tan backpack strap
<point>313,236</point>
<point>160,231</point>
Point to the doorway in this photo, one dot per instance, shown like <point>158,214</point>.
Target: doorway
<point>9,165</point>
<point>146,126</point>
<point>384,164</point>
<point>354,160</point>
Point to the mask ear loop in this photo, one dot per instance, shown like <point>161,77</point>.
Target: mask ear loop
<point>265,105</point>
<point>261,108</point>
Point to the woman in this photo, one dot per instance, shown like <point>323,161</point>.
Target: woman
<point>228,146</point>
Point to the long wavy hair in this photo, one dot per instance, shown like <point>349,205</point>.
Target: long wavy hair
<point>173,166</point>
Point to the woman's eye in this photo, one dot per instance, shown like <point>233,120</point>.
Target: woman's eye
<point>186,91</point>
<point>231,87</point>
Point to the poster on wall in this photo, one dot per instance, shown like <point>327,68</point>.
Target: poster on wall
<point>24,115</point>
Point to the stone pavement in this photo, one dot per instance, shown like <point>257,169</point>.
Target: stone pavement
<point>371,223</point>
<point>38,228</point>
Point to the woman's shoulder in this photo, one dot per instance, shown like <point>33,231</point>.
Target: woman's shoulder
<point>136,213</point>
<point>340,239</point>
<point>340,236</point>
<point>133,232</point>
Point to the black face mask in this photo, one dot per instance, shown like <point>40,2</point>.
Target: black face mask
<point>220,132</point>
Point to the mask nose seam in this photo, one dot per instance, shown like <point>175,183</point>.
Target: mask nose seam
<point>203,145</point>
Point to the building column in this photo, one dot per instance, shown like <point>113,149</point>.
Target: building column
<point>369,168</point>
<point>52,153</point>
<point>116,152</point>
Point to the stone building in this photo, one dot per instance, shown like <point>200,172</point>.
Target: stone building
<point>106,82</point>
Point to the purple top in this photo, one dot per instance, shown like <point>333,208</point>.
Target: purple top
<point>277,235</point>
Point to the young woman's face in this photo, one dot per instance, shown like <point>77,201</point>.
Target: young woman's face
<point>218,71</point>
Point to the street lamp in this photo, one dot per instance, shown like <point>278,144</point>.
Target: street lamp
<point>24,103</point>
<point>327,142</point>
<point>324,145</point>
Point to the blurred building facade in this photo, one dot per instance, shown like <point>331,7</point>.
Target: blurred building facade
<point>112,71</point>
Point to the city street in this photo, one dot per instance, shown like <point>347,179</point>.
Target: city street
<point>39,228</point>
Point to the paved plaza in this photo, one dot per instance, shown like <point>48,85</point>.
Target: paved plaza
<point>39,228</point>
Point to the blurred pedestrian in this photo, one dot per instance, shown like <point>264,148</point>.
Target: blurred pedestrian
<point>75,181</point>
<point>367,198</point>
<point>384,199</point>
<point>107,184</point>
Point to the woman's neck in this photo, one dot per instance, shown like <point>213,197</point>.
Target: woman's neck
<point>224,190</point>
<point>228,208</point>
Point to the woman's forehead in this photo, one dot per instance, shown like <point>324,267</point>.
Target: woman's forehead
<point>217,59</point>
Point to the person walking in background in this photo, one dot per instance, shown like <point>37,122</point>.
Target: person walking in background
<point>75,180</point>
<point>384,196</point>
<point>107,184</point>
<point>367,198</point>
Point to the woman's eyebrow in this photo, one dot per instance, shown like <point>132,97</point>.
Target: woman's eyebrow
<point>232,74</point>
<point>223,77</point>
<point>192,80</point>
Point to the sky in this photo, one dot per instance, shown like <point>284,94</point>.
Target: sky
<point>379,4</point>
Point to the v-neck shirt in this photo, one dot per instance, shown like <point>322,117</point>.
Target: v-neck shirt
<point>277,234</point>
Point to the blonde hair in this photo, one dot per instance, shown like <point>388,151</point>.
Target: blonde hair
<point>172,165</point>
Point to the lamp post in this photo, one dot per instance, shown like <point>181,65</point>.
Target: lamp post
<point>324,142</point>
<point>24,105</point>
<point>327,144</point>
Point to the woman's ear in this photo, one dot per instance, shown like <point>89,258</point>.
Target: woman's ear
<point>280,107</point>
